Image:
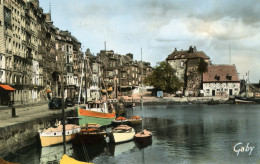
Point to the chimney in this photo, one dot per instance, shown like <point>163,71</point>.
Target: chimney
<point>175,49</point>
<point>190,49</point>
<point>48,17</point>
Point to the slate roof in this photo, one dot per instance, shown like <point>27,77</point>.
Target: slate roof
<point>221,73</point>
<point>192,53</point>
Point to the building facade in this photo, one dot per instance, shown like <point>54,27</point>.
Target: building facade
<point>185,63</point>
<point>34,54</point>
<point>221,80</point>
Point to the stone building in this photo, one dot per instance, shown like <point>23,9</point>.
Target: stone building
<point>185,63</point>
<point>19,44</point>
<point>221,80</point>
<point>32,50</point>
<point>68,53</point>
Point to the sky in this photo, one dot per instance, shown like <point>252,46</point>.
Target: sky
<point>223,29</point>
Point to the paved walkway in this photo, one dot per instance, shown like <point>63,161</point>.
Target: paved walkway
<point>26,113</point>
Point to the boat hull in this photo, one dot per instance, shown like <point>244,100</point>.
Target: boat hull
<point>135,121</point>
<point>54,140</point>
<point>144,140</point>
<point>68,160</point>
<point>122,137</point>
<point>90,138</point>
<point>143,137</point>
<point>54,136</point>
<point>87,116</point>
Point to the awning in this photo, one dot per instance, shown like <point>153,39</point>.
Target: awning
<point>7,87</point>
<point>103,90</point>
<point>109,89</point>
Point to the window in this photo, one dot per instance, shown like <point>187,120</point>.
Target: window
<point>229,77</point>
<point>182,64</point>
<point>207,90</point>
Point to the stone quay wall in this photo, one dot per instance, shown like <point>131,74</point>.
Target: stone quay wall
<point>23,134</point>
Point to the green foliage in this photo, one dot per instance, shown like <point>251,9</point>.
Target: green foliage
<point>203,66</point>
<point>163,78</point>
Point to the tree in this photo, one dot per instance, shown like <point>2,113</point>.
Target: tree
<point>163,78</point>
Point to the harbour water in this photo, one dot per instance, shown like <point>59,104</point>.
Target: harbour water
<point>181,134</point>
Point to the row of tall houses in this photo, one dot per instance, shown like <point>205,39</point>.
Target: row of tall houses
<point>34,54</point>
<point>216,80</point>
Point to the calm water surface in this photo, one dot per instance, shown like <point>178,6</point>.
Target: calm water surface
<point>181,134</point>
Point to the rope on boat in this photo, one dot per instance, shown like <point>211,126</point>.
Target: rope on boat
<point>85,152</point>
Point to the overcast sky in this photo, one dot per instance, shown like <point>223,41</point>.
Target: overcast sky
<point>217,27</point>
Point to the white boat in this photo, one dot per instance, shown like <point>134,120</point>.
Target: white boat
<point>122,133</point>
<point>53,136</point>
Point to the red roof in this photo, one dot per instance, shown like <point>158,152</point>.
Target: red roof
<point>7,87</point>
<point>221,73</point>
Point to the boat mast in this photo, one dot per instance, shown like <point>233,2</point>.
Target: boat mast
<point>85,69</point>
<point>81,79</point>
<point>62,94</point>
<point>142,87</point>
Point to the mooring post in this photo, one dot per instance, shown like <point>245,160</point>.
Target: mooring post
<point>13,111</point>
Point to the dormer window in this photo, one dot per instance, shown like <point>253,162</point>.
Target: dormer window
<point>217,77</point>
<point>229,77</point>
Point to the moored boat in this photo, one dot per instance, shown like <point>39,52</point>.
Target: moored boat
<point>96,112</point>
<point>135,120</point>
<point>53,136</point>
<point>122,133</point>
<point>120,121</point>
<point>2,161</point>
<point>143,137</point>
<point>90,134</point>
<point>68,160</point>
<point>241,101</point>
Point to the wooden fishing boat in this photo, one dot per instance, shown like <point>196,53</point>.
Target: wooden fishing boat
<point>243,101</point>
<point>120,121</point>
<point>96,112</point>
<point>53,136</point>
<point>135,120</point>
<point>143,137</point>
<point>122,133</point>
<point>68,160</point>
<point>2,161</point>
<point>90,134</point>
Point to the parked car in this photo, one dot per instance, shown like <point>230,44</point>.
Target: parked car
<point>56,103</point>
<point>70,102</point>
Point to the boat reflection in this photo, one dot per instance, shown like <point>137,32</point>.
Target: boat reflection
<point>118,149</point>
<point>53,154</point>
<point>143,145</point>
<point>88,152</point>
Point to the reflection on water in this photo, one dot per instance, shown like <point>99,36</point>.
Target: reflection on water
<point>53,154</point>
<point>181,134</point>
